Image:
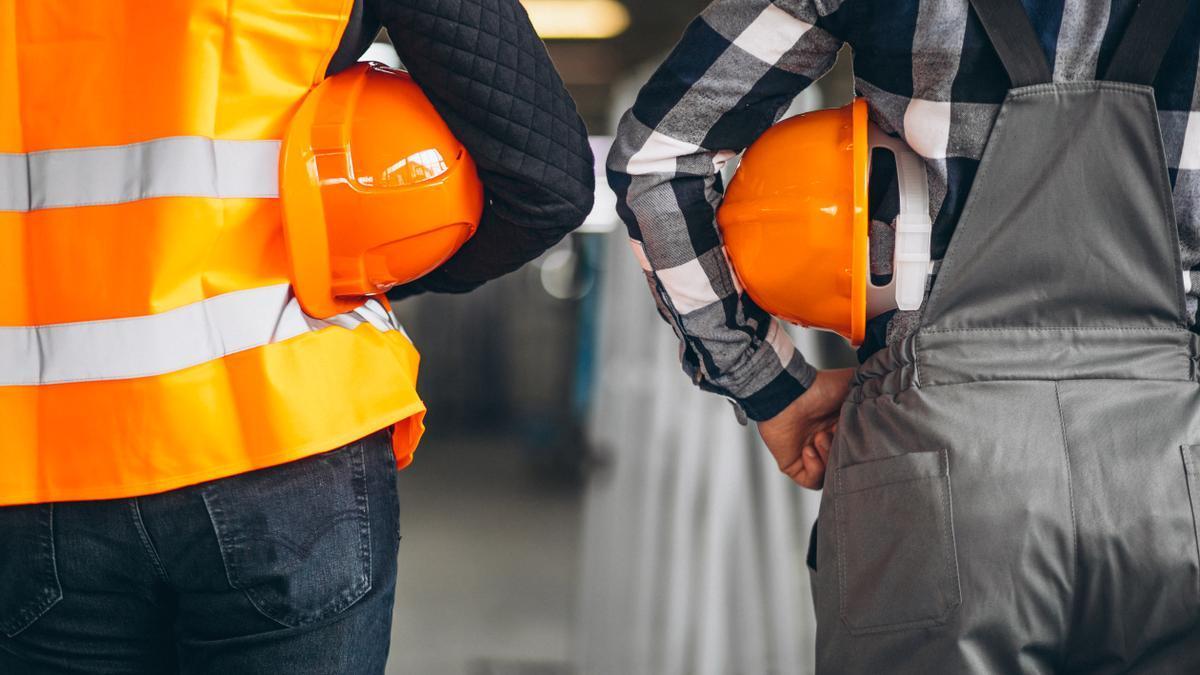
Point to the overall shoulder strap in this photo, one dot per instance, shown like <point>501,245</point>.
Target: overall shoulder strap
<point>1146,41</point>
<point>1008,27</point>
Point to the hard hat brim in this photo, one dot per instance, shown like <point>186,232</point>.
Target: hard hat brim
<point>304,224</point>
<point>861,253</point>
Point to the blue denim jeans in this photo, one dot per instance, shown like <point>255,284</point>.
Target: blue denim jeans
<point>290,569</point>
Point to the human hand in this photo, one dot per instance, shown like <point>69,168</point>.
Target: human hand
<point>800,436</point>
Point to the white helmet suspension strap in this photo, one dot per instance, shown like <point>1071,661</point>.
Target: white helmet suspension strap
<point>910,262</point>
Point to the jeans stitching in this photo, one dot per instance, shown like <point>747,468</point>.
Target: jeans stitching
<point>50,595</point>
<point>269,608</point>
<point>140,525</point>
<point>364,524</point>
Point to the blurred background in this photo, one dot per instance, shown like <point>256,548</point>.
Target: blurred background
<point>577,507</point>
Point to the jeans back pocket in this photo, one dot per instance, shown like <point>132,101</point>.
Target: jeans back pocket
<point>29,584</point>
<point>296,538</point>
<point>897,566</point>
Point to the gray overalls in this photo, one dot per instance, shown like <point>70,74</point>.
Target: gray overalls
<point>1013,489</point>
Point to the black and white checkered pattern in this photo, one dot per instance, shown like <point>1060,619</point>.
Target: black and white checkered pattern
<point>930,76</point>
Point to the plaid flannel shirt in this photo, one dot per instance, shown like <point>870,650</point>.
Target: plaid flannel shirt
<point>930,76</point>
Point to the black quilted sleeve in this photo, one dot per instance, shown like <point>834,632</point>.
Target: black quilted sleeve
<point>489,75</point>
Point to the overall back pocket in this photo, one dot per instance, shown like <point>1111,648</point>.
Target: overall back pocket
<point>897,566</point>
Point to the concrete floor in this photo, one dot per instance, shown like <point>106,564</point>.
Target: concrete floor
<point>488,564</point>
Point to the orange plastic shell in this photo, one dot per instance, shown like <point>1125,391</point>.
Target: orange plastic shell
<point>376,189</point>
<point>794,220</point>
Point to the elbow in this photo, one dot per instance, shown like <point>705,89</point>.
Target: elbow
<point>639,150</point>
<point>580,194</point>
<point>549,192</point>
<point>546,210</point>
<point>567,209</point>
<point>582,200</point>
<point>623,147</point>
<point>564,196</point>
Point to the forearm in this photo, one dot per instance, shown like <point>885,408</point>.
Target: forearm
<point>733,74</point>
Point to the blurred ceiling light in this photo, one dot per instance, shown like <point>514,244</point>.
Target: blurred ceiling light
<point>577,19</point>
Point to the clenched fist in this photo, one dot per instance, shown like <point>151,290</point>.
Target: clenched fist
<point>800,436</point>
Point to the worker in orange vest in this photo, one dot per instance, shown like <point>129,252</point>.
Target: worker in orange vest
<point>199,450</point>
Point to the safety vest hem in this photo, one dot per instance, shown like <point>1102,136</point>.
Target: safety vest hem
<point>413,412</point>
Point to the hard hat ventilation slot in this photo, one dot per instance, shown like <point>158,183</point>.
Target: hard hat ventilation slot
<point>883,205</point>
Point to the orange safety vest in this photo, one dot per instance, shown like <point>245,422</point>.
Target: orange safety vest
<point>149,338</point>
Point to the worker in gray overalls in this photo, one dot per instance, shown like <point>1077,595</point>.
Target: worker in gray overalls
<point>1012,489</point>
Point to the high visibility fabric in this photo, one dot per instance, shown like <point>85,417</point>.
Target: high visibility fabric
<point>164,343</point>
<point>148,335</point>
<point>166,167</point>
<point>1014,488</point>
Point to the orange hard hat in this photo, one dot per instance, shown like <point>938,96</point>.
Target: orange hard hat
<point>795,225</point>
<point>376,190</point>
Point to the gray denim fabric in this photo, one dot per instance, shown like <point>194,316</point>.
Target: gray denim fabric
<point>1013,488</point>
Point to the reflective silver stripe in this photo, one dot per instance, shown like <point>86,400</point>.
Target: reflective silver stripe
<point>163,343</point>
<point>183,166</point>
<point>14,183</point>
